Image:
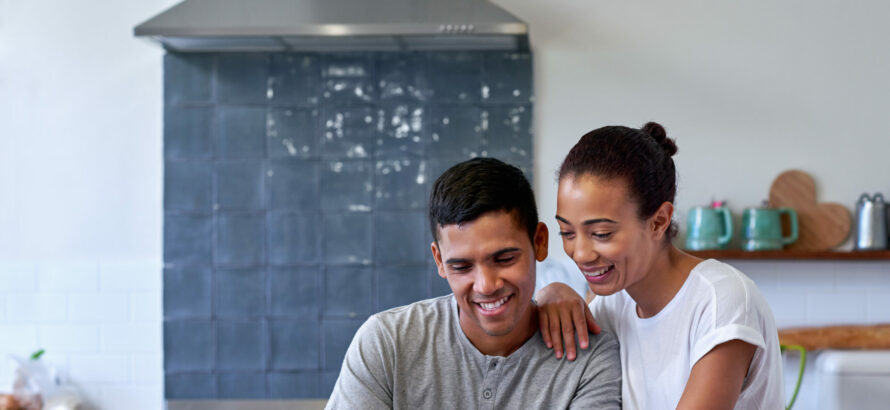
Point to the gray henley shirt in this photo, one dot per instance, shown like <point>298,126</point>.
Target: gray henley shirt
<point>417,357</point>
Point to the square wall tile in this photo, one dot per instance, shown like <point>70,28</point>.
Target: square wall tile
<point>240,293</point>
<point>187,239</point>
<point>402,184</point>
<point>187,132</point>
<point>399,285</point>
<point>351,132</point>
<point>241,132</point>
<point>403,131</point>
<point>239,185</point>
<point>403,76</point>
<point>292,132</point>
<point>327,382</point>
<point>508,132</point>
<point>294,238</point>
<point>294,184</point>
<point>836,308</point>
<point>201,385</point>
<point>456,76</point>
<point>456,131</point>
<point>295,345</point>
<point>187,77</point>
<point>507,77</point>
<point>294,79</point>
<point>348,291</point>
<point>187,186</point>
<point>878,306</point>
<point>294,385</point>
<point>187,292</point>
<point>240,239</point>
<point>400,237</point>
<point>241,345</point>
<point>242,78</point>
<point>188,345</point>
<point>338,334</point>
<point>349,79</point>
<point>347,186</point>
<point>348,238</point>
<point>242,385</point>
<point>295,292</point>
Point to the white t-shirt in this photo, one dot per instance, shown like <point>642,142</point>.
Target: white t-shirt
<point>716,304</point>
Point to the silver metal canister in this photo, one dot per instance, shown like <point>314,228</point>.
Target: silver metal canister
<point>871,223</point>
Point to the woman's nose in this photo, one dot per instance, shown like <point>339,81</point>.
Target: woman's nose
<point>584,251</point>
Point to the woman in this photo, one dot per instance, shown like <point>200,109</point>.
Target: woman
<point>694,333</point>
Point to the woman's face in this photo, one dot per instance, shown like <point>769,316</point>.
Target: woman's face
<point>602,233</point>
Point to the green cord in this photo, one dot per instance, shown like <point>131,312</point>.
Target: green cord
<point>803,363</point>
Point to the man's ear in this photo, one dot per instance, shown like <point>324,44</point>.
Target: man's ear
<point>660,222</point>
<point>542,235</point>
<point>437,256</point>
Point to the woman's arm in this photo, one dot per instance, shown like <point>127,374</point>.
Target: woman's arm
<point>562,312</point>
<point>716,380</point>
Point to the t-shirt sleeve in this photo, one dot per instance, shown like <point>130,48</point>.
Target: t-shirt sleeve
<point>365,380</point>
<point>600,386</point>
<point>733,312</point>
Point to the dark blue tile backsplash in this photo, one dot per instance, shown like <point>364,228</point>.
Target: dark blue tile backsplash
<point>295,192</point>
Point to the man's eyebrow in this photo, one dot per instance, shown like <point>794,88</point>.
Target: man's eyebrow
<point>503,251</point>
<point>587,222</point>
<point>456,260</point>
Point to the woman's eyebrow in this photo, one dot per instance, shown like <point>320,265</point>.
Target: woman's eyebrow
<point>587,222</point>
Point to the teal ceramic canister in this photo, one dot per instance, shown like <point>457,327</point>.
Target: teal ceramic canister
<point>708,227</point>
<point>762,228</point>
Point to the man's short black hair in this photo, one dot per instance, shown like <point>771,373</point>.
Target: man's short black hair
<point>472,188</point>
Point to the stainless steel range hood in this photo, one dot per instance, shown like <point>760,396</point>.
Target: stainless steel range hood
<point>335,25</point>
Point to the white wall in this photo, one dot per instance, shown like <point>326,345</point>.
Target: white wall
<point>80,195</point>
<point>748,90</point>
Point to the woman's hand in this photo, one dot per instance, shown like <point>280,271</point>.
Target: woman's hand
<point>562,312</point>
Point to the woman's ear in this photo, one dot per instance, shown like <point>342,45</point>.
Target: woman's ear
<point>661,220</point>
<point>542,236</point>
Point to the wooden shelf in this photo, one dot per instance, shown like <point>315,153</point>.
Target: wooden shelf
<point>882,255</point>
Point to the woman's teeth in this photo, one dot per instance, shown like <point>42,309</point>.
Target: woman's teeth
<point>495,305</point>
<point>600,272</point>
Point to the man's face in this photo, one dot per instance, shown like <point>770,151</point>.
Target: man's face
<point>490,265</point>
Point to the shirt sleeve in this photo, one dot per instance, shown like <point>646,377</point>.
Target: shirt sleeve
<point>732,313</point>
<point>600,386</point>
<point>365,380</point>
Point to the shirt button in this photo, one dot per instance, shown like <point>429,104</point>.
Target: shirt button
<point>493,364</point>
<point>486,394</point>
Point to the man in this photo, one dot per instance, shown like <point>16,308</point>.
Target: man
<point>479,347</point>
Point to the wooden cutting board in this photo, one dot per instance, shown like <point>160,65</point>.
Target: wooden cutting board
<point>822,226</point>
<point>838,337</point>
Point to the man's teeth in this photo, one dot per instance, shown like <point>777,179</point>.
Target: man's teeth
<point>495,305</point>
<point>599,272</point>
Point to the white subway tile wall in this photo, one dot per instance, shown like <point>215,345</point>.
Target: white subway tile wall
<point>100,323</point>
<point>818,293</point>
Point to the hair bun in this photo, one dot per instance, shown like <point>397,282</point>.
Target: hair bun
<point>658,133</point>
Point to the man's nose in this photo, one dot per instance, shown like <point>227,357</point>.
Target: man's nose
<point>488,281</point>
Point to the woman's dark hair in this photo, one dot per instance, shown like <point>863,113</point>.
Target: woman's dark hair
<point>472,188</point>
<point>642,157</point>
